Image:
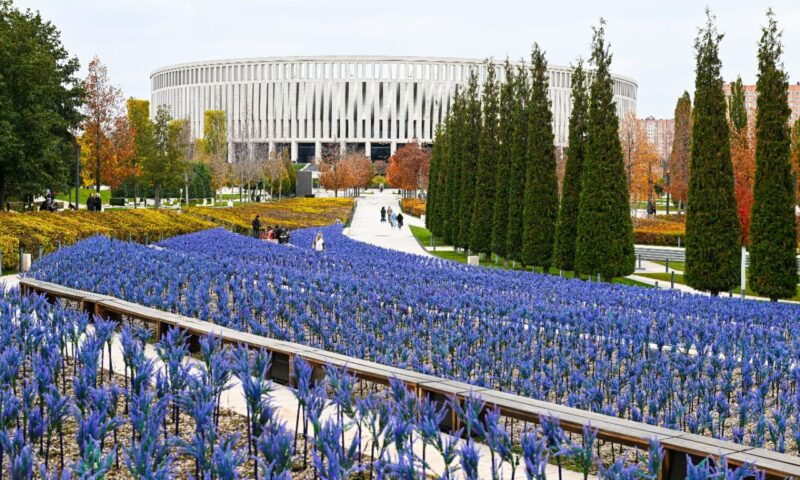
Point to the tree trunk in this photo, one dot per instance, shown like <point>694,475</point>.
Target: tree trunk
<point>157,193</point>
<point>97,173</point>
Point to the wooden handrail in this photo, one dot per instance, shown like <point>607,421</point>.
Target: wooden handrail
<point>677,444</point>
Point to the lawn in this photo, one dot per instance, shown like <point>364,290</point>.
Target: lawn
<point>680,266</point>
<point>105,195</point>
<point>423,236</point>
<point>665,277</point>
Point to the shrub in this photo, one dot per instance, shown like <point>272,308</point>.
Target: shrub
<point>661,230</point>
<point>377,180</point>
<point>413,206</point>
<point>10,247</point>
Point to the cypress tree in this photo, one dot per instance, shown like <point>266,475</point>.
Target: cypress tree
<point>488,155</point>
<point>435,179</point>
<point>773,250</point>
<point>504,162</point>
<point>605,234</point>
<point>567,227</point>
<point>519,165</point>
<point>712,221</point>
<point>469,146</point>
<point>540,210</point>
<point>450,207</point>
<point>737,108</point>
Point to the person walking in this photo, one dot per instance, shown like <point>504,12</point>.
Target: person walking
<point>389,211</point>
<point>400,220</point>
<point>383,214</point>
<point>256,226</point>
<point>393,220</point>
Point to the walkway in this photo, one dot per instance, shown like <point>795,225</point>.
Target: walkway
<point>367,227</point>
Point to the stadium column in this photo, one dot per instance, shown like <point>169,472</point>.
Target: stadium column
<point>393,148</point>
<point>317,150</point>
<point>294,150</point>
<point>368,149</point>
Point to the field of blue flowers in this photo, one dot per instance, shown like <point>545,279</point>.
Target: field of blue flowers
<point>725,368</point>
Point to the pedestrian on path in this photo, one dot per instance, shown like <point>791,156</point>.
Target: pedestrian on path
<point>256,226</point>
<point>389,211</point>
<point>383,214</point>
<point>393,220</point>
<point>400,220</point>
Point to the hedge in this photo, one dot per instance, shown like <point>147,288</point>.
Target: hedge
<point>290,213</point>
<point>661,230</point>
<point>413,206</point>
<point>10,247</point>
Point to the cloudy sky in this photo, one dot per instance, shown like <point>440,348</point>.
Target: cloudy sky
<point>651,40</point>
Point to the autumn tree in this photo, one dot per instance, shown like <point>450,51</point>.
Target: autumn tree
<point>540,210</point>
<point>742,157</point>
<point>104,156</point>
<point>333,171</point>
<point>480,240</point>
<point>214,146</point>
<point>567,226</point>
<point>142,132</point>
<point>164,168</point>
<point>678,181</point>
<point>275,172</point>
<point>773,250</point>
<point>712,224</point>
<point>408,167</point>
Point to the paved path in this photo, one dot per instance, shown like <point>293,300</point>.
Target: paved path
<point>367,227</point>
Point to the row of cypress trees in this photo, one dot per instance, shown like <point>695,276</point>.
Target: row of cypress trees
<point>493,187</point>
<point>713,253</point>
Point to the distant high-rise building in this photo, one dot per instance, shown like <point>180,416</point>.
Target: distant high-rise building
<point>750,99</point>
<point>660,132</point>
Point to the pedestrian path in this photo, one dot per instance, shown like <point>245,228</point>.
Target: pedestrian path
<point>366,225</point>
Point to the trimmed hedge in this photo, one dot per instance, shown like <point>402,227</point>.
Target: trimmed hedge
<point>413,206</point>
<point>290,213</point>
<point>10,248</point>
<point>661,230</point>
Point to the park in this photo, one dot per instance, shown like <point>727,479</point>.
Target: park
<point>388,267</point>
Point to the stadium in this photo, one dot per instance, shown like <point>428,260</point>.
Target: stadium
<point>309,105</point>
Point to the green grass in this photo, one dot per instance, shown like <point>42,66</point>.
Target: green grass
<point>665,277</point>
<point>423,236</point>
<point>672,265</point>
<point>299,166</point>
<point>105,195</point>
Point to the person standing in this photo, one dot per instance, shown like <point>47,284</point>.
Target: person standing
<point>400,220</point>
<point>319,242</point>
<point>383,214</point>
<point>256,226</point>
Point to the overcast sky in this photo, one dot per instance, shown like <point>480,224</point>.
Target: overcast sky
<point>651,40</point>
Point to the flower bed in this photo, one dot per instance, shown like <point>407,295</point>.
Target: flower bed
<point>413,206</point>
<point>66,411</point>
<point>10,248</point>
<point>290,213</point>
<point>664,358</point>
<point>661,230</point>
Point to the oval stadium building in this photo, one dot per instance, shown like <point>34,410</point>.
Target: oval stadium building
<point>354,103</point>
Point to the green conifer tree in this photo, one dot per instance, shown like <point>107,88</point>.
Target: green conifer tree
<point>488,157</point>
<point>773,250</point>
<point>469,150</point>
<point>504,162</point>
<point>567,227</point>
<point>540,210</point>
<point>712,222</point>
<point>436,182</point>
<point>605,234</point>
<point>519,165</point>
<point>450,208</point>
<point>737,108</point>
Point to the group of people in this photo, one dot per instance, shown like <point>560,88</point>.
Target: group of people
<point>48,204</point>
<point>94,203</point>
<point>277,234</point>
<point>394,219</point>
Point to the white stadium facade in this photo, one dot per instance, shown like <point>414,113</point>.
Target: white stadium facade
<point>355,103</point>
